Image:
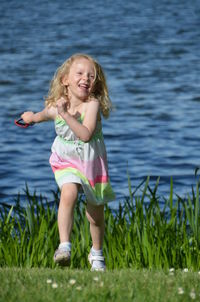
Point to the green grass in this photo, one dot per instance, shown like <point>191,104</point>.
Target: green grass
<point>144,238</point>
<point>23,284</point>
<point>139,234</point>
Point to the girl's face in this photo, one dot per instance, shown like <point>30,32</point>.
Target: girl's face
<point>80,79</point>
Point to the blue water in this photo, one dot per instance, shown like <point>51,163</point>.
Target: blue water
<point>150,51</point>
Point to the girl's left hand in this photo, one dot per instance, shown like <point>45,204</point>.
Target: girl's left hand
<point>62,106</point>
<point>28,117</point>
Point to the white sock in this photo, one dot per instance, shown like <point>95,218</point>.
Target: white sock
<point>96,252</point>
<point>66,246</point>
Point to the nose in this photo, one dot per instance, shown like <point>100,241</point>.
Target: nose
<point>86,77</point>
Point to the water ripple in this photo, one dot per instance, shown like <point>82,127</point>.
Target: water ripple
<point>150,53</point>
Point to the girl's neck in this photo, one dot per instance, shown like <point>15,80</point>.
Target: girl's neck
<point>75,105</point>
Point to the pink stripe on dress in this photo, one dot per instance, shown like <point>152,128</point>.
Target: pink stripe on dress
<point>98,179</point>
<point>94,175</point>
<point>91,169</point>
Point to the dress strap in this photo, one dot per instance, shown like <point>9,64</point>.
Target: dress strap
<point>81,118</point>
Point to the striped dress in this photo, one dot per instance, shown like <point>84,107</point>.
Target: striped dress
<point>74,161</point>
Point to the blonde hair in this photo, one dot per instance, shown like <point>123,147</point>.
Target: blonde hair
<point>99,91</point>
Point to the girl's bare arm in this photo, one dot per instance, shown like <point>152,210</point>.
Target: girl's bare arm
<point>44,115</point>
<point>82,131</point>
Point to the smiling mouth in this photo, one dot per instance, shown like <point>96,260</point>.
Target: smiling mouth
<point>84,86</point>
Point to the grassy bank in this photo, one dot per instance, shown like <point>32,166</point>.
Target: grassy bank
<point>32,285</point>
<point>139,234</point>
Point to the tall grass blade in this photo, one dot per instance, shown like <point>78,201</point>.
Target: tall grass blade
<point>138,234</point>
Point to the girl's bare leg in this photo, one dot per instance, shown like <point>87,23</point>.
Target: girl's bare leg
<point>68,200</point>
<point>95,215</point>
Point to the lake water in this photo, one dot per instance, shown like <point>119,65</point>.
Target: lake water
<point>150,52</point>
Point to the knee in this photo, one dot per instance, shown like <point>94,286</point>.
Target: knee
<point>69,195</point>
<point>95,217</point>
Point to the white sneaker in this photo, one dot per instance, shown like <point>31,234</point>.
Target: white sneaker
<point>97,262</point>
<point>62,257</point>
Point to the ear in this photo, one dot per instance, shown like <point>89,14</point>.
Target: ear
<point>64,80</point>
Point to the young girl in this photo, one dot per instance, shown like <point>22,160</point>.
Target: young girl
<point>77,97</point>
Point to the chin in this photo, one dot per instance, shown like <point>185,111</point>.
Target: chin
<point>84,97</point>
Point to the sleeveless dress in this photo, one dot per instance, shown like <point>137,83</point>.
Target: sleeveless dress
<point>84,163</point>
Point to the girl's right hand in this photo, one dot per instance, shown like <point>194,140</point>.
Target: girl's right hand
<point>62,106</point>
<point>28,117</point>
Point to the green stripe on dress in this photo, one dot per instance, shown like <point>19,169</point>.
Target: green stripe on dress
<point>100,190</point>
<point>61,122</point>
